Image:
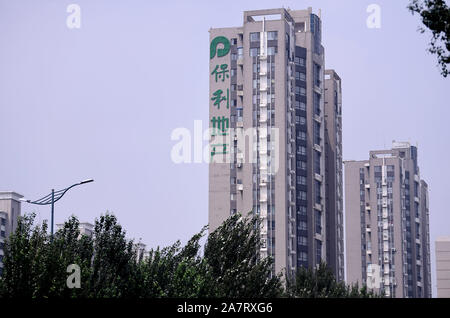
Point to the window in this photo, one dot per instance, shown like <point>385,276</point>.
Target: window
<point>317,192</point>
<point>254,37</point>
<point>302,226</point>
<point>301,210</point>
<point>316,104</point>
<point>272,35</point>
<point>240,52</point>
<point>299,61</point>
<point>254,51</point>
<point>301,135</point>
<point>317,157</point>
<point>302,76</point>
<point>301,165</point>
<point>318,221</point>
<point>302,106</point>
<point>302,240</point>
<point>302,257</point>
<point>301,180</point>
<point>317,133</point>
<point>233,41</point>
<point>301,150</point>
<point>302,195</point>
<point>255,66</point>
<point>3,221</point>
<point>300,91</point>
<point>2,234</point>
<point>317,80</point>
<point>271,50</point>
<point>318,251</point>
<point>302,120</point>
<point>233,56</point>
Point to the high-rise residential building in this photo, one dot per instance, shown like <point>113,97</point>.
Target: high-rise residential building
<point>334,195</point>
<point>386,223</point>
<point>443,266</point>
<point>10,210</point>
<point>275,124</point>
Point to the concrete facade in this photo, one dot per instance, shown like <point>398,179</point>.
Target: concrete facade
<point>333,173</point>
<point>387,227</point>
<point>268,152</point>
<point>10,210</point>
<point>443,266</point>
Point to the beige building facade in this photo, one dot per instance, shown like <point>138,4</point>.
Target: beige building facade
<point>387,223</point>
<point>443,266</point>
<point>268,105</point>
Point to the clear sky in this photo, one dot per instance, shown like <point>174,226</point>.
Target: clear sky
<point>101,102</point>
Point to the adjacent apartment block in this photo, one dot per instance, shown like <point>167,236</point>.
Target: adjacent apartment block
<point>85,228</point>
<point>443,266</point>
<point>387,223</point>
<point>275,122</point>
<point>9,212</point>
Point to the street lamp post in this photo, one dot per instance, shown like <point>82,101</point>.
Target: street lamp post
<point>54,197</point>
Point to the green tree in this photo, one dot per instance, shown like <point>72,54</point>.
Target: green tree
<point>321,283</point>
<point>435,15</point>
<point>35,265</point>
<point>233,259</point>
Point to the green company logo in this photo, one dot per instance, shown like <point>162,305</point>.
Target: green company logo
<point>220,52</point>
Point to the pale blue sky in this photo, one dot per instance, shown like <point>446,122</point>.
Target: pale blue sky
<point>101,102</point>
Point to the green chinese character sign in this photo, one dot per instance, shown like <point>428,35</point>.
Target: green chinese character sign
<point>220,51</point>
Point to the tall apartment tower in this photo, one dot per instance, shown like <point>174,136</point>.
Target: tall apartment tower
<point>387,227</point>
<point>333,174</point>
<point>443,266</point>
<point>269,105</point>
<point>9,212</point>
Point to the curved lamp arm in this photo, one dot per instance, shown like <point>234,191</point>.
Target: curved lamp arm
<point>54,197</point>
